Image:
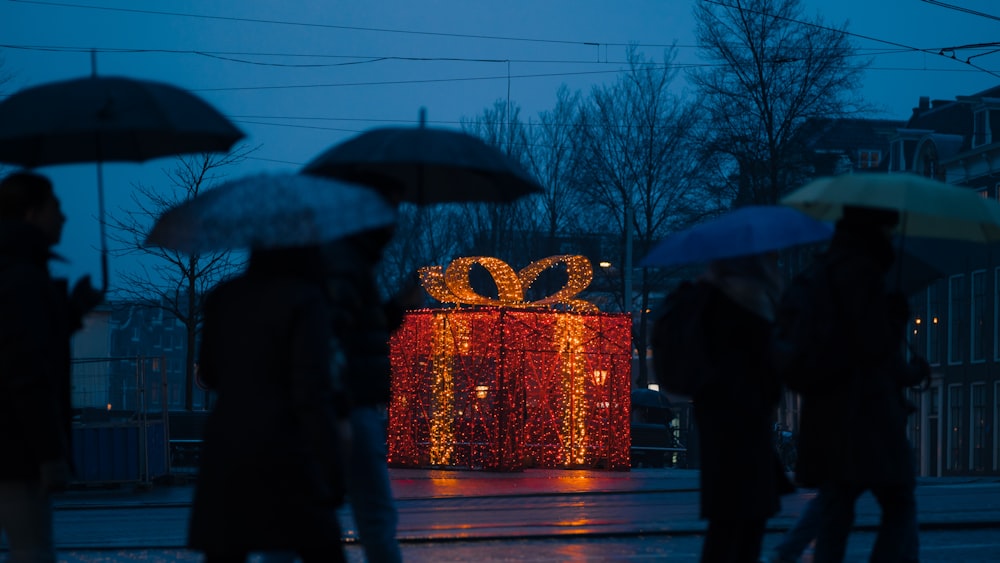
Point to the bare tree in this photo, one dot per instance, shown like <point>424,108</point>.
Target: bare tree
<point>769,70</point>
<point>424,236</point>
<point>172,281</point>
<point>494,226</point>
<point>551,159</point>
<point>638,163</point>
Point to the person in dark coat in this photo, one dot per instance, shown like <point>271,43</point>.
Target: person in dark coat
<point>37,318</point>
<point>363,322</point>
<point>270,478</point>
<point>853,423</point>
<point>741,474</point>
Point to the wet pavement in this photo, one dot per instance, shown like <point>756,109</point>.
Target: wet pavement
<point>535,515</point>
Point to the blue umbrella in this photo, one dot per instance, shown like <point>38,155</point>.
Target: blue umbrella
<point>754,229</point>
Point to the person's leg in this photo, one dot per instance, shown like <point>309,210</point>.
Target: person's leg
<point>26,515</point>
<point>333,555</point>
<point>225,557</point>
<point>733,541</point>
<point>805,530</point>
<point>897,538</point>
<point>715,545</point>
<point>749,539</point>
<point>368,487</point>
<point>836,521</point>
<point>276,557</point>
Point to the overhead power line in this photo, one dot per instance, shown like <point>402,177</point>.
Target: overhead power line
<point>414,81</point>
<point>353,59</point>
<point>962,9</point>
<point>325,26</point>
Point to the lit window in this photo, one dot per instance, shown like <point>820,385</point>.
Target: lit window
<point>869,158</point>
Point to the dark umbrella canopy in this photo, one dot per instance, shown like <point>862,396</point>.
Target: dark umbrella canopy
<point>431,165</point>
<point>107,119</point>
<point>101,118</point>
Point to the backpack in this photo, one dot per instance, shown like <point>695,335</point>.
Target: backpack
<point>804,341</point>
<point>678,339</point>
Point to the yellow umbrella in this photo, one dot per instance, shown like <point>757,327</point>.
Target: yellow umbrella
<point>928,208</point>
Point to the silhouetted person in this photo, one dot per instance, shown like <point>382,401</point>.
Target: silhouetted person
<point>363,322</point>
<point>741,475</point>
<point>271,474</point>
<point>853,422</point>
<point>37,318</point>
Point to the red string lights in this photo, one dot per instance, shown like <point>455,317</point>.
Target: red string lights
<point>513,384</point>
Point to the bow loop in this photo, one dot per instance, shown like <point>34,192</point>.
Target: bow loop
<point>453,285</point>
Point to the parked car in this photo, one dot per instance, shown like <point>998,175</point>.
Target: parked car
<point>655,432</point>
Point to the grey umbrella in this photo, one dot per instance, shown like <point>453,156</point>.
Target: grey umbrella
<point>268,211</point>
<point>99,119</point>
<point>430,165</point>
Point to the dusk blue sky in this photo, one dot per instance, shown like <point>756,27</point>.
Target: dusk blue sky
<point>298,77</point>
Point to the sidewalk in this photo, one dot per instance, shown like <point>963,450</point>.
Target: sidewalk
<point>414,487</point>
<point>427,484</point>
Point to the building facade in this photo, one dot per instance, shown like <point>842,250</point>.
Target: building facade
<point>956,321</point>
<point>131,357</point>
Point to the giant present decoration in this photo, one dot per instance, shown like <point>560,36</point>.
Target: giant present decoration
<point>506,383</point>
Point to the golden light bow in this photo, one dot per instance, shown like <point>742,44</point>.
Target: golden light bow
<point>453,285</point>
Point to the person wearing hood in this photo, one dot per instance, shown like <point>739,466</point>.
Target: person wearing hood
<point>37,318</point>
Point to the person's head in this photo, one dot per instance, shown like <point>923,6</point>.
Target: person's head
<point>360,250</point>
<point>868,219</point>
<point>29,198</point>
<point>762,266</point>
<point>299,261</point>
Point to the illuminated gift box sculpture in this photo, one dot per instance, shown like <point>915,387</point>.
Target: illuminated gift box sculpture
<point>508,383</point>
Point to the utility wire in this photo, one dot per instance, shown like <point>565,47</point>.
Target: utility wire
<point>961,9</point>
<point>415,81</point>
<point>230,56</point>
<point>498,77</point>
<point>325,26</point>
<point>224,55</point>
<point>136,50</point>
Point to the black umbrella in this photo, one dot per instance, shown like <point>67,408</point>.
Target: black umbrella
<point>100,119</point>
<point>431,165</point>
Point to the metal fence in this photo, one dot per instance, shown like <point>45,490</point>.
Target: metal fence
<point>121,426</point>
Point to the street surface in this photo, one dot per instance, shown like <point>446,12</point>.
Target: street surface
<point>537,515</point>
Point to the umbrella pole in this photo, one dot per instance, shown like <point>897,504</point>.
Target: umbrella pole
<point>902,244</point>
<point>104,239</point>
